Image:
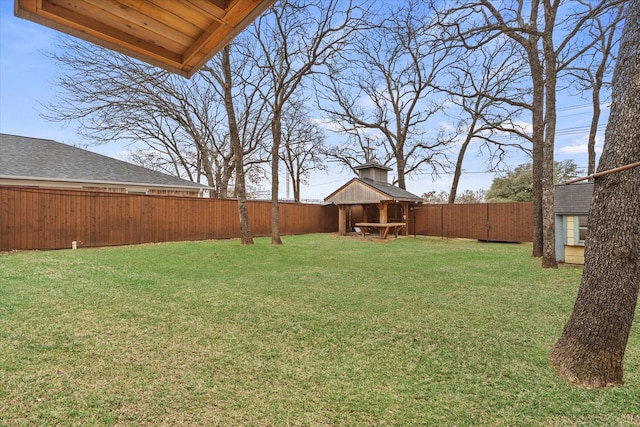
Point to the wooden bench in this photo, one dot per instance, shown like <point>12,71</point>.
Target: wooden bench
<point>383,227</point>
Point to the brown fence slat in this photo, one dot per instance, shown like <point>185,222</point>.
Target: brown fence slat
<point>499,222</point>
<point>465,221</point>
<point>37,218</point>
<point>510,222</point>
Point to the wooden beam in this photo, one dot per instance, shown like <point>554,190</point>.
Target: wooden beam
<point>177,35</point>
<point>342,220</point>
<point>382,207</point>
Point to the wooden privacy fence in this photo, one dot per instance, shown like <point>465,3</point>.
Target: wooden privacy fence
<point>34,218</point>
<point>496,222</point>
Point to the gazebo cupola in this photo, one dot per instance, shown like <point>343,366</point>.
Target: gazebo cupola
<point>372,171</point>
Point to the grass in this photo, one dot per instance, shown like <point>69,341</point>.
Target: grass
<point>321,331</point>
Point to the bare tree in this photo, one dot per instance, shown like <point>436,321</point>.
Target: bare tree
<point>115,97</point>
<point>590,351</point>
<point>434,197</point>
<point>470,196</point>
<point>486,86</point>
<point>549,39</point>
<point>302,146</point>
<point>292,41</point>
<point>593,68</point>
<point>381,91</point>
<point>359,148</point>
<point>233,77</point>
<point>224,79</point>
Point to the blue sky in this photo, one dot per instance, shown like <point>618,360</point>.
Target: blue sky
<point>25,83</point>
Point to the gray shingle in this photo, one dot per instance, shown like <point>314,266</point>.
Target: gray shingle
<point>392,191</point>
<point>22,156</point>
<point>573,199</point>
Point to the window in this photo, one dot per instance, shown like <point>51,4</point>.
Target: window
<point>580,222</point>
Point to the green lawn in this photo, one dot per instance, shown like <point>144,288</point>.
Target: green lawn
<point>320,331</point>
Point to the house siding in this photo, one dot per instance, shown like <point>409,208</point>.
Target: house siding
<point>574,254</point>
<point>571,231</point>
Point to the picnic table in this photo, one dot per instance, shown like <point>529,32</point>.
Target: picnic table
<point>383,227</point>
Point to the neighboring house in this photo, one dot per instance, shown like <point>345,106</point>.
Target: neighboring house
<point>370,198</point>
<point>44,163</point>
<point>571,207</point>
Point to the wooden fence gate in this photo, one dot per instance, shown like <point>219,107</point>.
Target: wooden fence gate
<point>495,222</point>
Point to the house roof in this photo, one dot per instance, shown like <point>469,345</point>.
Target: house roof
<point>573,199</point>
<point>23,157</point>
<point>364,191</point>
<point>179,36</point>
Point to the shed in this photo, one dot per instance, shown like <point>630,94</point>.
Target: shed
<point>380,203</point>
<point>44,163</point>
<point>571,207</point>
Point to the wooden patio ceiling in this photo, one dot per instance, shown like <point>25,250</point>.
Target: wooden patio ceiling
<point>177,35</point>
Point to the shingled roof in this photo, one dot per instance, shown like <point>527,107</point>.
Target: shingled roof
<point>573,199</point>
<point>24,157</point>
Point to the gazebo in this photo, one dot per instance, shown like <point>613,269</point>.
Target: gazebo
<point>385,207</point>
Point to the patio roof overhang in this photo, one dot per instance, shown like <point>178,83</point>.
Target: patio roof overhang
<point>178,36</point>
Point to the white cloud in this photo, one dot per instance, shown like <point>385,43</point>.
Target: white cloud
<point>446,126</point>
<point>521,126</point>
<point>580,146</point>
<point>574,149</point>
<point>326,124</point>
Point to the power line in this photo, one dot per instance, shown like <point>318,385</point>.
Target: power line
<point>573,107</point>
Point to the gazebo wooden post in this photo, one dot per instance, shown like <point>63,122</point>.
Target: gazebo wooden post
<point>382,207</point>
<point>342,220</point>
<point>405,218</point>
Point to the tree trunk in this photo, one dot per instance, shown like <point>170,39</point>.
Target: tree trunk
<point>458,170</point>
<point>238,158</point>
<point>595,119</point>
<point>276,131</point>
<point>591,349</point>
<point>296,189</point>
<point>550,82</point>
<point>537,120</point>
<point>400,165</point>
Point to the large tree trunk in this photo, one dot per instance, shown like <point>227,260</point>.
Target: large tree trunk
<point>591,349</point>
